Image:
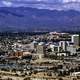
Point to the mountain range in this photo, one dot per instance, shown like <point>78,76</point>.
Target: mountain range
<point>33,19</point>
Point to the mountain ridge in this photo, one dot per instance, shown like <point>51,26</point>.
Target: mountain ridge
<point>32,19</point>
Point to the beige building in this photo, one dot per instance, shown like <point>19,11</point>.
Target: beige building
<point>41,49</point>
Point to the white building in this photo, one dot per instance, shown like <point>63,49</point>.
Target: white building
<point>75,39</point>
<point>55,48</point>
<point>72,49</point>
<point>63,45</point>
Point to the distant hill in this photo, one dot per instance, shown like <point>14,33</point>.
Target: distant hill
<point>32,19</point>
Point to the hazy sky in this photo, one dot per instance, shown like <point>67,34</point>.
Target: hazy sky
<point>41,4</point>
<point>10,3</point>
